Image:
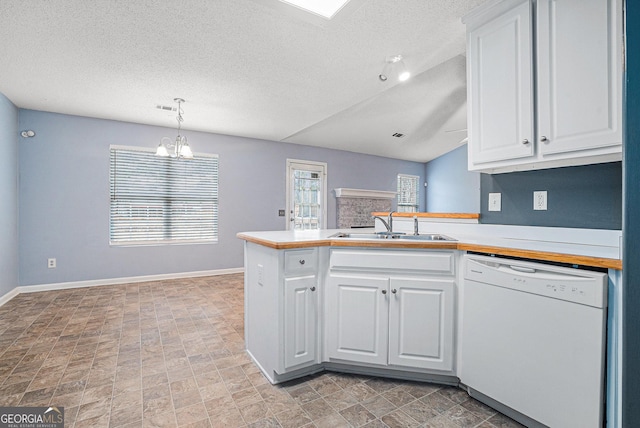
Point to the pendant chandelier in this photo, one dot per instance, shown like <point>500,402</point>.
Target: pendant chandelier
<point>179,148</point>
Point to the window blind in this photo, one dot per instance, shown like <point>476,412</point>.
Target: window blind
<point>162,200</point>
<point>408,193</point>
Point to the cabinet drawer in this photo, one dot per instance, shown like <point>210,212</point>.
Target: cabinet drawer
<point>300,261</point>
<point>436,262</point>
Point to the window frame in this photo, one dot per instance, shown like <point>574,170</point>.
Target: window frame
<point>167,215</point>
<point>415,207</point>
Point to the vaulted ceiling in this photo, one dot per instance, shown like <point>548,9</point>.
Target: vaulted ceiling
<point>253,68</point>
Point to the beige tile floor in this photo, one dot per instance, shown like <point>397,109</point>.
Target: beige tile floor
<point>171,353</point>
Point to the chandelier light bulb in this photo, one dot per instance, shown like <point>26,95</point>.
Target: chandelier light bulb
<point>394,66</point>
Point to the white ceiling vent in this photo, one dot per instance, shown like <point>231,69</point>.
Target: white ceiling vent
<point>165,108</point>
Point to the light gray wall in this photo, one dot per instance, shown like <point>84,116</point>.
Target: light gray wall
<point>450,187</point>
<point>64,196</point>
<point>9,270</point>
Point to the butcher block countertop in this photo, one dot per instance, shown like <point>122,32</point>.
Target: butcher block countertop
<point>469,216</point>
<point>586,247</point>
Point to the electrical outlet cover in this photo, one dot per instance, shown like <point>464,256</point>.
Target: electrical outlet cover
<point>540,200</point>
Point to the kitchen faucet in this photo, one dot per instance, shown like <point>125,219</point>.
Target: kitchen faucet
<point>387,223</point>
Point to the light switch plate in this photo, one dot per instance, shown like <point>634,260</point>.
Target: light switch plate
<point>495,201</point>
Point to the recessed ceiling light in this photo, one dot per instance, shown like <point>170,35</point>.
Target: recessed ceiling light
<point>325,8</point>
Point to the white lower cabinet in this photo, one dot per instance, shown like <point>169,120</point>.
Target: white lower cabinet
<point>356,318</point>
<point>421,314</point>
<point>391,319</point>
<point>300,320</point>
<point>281,310</point>
<point>392,310</point>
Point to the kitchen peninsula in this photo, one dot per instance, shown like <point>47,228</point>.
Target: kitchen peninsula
<point>588,247</point>
<point>345,300</point>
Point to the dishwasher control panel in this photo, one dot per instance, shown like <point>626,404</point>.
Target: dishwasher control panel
<point>578,286</point>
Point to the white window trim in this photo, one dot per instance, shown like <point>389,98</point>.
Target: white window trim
<point>417,179</point>
<point>135,243</point>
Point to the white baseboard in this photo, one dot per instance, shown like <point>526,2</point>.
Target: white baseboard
<point>112,281</point>
<point>8,296</point>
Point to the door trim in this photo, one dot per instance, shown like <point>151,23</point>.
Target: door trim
<point>301,164</point>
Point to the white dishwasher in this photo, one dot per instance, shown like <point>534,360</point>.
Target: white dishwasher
<point>533,340</point>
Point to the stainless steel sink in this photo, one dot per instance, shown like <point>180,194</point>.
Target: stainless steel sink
<point>380,235</point>
<point>395,236</point>
<point>429,237</point>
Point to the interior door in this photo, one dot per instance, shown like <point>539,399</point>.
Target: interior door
<point>306,195</point>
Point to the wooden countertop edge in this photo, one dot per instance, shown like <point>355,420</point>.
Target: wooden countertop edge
<point>530,254</point>
<point>431,215</point>
<point>543,255</point>
<point>285,245</point>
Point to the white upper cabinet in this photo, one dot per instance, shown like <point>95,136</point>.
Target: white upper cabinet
<point>500,92</point>
<point>573,59</point>
<point>579,75</point>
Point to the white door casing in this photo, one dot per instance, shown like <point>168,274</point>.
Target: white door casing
<point>306,195</point>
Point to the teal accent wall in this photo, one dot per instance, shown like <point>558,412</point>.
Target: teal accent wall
<point>588,196</point>
<point>631,224</point>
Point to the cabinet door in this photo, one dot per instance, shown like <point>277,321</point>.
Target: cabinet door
<point>300,320</point>
<point>500,91</point>
<point>579,74</point>
<point>357,318</point>
<point>421,316</point>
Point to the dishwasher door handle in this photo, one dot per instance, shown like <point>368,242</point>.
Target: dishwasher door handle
<point>522,269</point>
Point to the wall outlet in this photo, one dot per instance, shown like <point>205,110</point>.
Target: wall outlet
<point>51,263</point>
<point>281,213</point>
<point>495,201</point>
<point>260,274</point>
<point>540,200</point>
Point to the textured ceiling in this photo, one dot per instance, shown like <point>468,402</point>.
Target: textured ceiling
<point>254,68</point>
